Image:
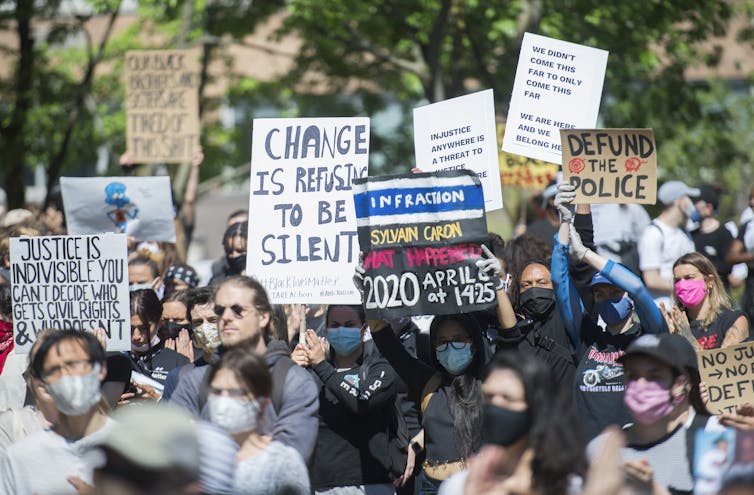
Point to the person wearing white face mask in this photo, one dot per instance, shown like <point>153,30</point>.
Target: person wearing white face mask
<point>356,395</point>
<point>240,386</point>
<point>71,364</point>
<point>665,239</point>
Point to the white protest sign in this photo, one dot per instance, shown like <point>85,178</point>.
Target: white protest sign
<point>70,283</point>
<point>460,133</point>
<point>139,206</point>
<point>302,228</point>
<point>558,86</point>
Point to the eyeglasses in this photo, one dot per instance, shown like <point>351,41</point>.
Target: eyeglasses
<point>455,344</point>
<point>78,367</point>
<point>237,310</point>
<point>230,392</point>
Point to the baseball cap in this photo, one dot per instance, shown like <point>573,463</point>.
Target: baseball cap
<point>14,217</point>
<point>155,436</point>
<point>708,194</point>
<point>670,349</point>
<point>599,278</point>
<point>674,189</point>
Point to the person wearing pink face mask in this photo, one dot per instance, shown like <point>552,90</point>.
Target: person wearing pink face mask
<point>703,315</point>
<point>663,398</point>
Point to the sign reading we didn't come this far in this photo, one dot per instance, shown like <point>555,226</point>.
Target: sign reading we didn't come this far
<point>610,165</point>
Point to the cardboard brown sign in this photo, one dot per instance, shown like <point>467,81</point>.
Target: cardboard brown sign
<point>729,376</point>
<point>162,105</point>
<point>610,165</point>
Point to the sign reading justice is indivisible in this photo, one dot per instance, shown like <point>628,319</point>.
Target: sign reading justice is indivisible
<point>610,165</point>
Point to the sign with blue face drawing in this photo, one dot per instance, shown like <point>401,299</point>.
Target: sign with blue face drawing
<point>421,235</point>
<point>138,206</point>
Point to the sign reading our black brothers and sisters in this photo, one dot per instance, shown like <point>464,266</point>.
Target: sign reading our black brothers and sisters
<point>302,241</point>
<point>421,236</point>
<point>610,165</point>
<point>70,282</point>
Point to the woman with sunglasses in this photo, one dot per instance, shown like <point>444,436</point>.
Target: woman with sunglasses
<point>449,391</point>
<point>356,403</point>
<point>240,387</point>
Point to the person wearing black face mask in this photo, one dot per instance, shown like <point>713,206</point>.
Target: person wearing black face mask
<point>539,331</point>
<point>234,244</point>
<point>529,443</point>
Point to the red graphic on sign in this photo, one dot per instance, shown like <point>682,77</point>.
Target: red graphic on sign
<point>576,165</point>
<point>633,164</point>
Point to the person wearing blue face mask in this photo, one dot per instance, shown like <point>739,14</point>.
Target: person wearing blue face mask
<point>621,302</point>
<point>357,396</point>
<point>449,392</point>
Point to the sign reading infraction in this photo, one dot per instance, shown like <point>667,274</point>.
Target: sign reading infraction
<point>421,235</point>
<point>70,283</point>
<point>162,105</point>
<point>729,376</point>
<point>610,165</point>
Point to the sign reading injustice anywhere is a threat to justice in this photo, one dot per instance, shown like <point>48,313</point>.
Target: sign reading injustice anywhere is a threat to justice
<point>70,282</point>
<point>302,244</point>
<point>162,105</point>
<point>421,235</point>
<point>610,165</point>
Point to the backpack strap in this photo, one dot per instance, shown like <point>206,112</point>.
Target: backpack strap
<point>429,388</point>
<point>279,372</point>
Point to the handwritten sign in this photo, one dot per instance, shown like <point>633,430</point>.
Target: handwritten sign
<point>302,237</point>
<point>70,283</point>
<point>162,105</point>
<point>558,85</point>
<point>138,206</point>
<point>519,171</point>
<point>729,376</point>
<point>610,165</point>
<point>459,134</point>
<point>421,235</point>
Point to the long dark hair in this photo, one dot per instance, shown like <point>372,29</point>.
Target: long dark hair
<point>465,397</point>
<point>557,442</point>
<point>514,295</point>
<point>146,305</point>
<point>369,351</point>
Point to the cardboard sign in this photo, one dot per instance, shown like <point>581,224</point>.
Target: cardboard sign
<point>70,283</point>
<point>729,376</point>
<point>519,171</point>
<point>139,206</point>
<point>421,235</point>
<point>162,105</point>
<point>558,86</point>
<point>459,134</point>
<point>302,237</point>
<point>610,165</point>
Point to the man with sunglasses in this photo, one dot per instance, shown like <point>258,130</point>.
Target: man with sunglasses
<point>69,365</point>
<point>244,318</point>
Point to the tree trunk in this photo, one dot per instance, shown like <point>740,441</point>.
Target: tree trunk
<point>14,134</point>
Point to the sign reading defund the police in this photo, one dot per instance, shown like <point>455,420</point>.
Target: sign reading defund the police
<point>421,235</point>
<point>729,376</point>
<point>302,236</point>
<point>70,282</point>
<point>610,165</point>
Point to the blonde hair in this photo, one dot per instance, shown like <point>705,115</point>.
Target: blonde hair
<point>716,294</point>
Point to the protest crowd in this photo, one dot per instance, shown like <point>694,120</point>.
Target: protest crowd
<point>596,351</point>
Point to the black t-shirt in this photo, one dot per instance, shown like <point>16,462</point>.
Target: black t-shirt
<point>715,245</point>
<point>598,387</point>
<point>547,340</point>
<point>118,368</point>
<point>712,337</point>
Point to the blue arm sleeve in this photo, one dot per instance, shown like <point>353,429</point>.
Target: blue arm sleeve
<point>566,296</point>
<point>649,314</point>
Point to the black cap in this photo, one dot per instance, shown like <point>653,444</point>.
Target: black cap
<point>708,194</point>
<point>673,350</point>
